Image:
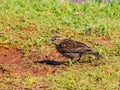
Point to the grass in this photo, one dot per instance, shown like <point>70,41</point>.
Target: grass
<point>27,24</point>
<point>90,78</point>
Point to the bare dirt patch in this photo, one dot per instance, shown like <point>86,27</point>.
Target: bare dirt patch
<point>36,64</point>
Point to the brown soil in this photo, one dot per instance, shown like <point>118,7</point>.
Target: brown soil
<point>36,64</point>
<point>9,56</point>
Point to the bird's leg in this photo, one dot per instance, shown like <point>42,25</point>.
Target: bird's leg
<point>80,60</point>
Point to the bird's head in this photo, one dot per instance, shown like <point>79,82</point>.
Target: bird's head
<point>56,40</point>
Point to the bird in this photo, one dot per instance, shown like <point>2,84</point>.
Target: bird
<point>72,49</point>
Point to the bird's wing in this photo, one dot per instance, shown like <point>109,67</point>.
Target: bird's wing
<point>73,46</point>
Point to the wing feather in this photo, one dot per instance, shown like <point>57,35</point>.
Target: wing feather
<point>69,45</point>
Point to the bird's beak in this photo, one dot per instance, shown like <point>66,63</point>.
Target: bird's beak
<point>51,40</point>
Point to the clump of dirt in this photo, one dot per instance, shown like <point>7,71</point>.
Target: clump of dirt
<point>36,64</point>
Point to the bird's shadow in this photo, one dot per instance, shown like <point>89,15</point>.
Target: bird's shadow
<point>49,62</point>
<point>56,63</point>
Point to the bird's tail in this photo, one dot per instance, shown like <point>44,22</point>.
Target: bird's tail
<point>89,51</point>
<point>97,55</point>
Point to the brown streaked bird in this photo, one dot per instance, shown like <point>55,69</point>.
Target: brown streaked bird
<point>72,49</point>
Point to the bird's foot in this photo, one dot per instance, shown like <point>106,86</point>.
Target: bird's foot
<point>80,61</point>
<point>70,62</point>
